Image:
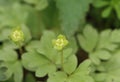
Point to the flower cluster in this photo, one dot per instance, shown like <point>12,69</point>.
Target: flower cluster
<point>17,35</point>
<point>60,42</point>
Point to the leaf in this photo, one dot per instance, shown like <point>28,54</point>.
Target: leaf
<point>100,77</point>
<point>108,5</point>
<point>99,55</point>
<point>32,45</point>
<point>115,36</point>
<point>9,45</point>
<point>45,69</point>
<point>57,77</point>
<point>44,56</point>
<point>104,55</point>
<point>116,7</point>
<point>4,33</point>
<point>14,67</point>
<point>106,12</point>
<point>39,4</point>
<point>100,3</point>
<point>46,46</point>
<point>94,59</point>
<point>72,14</point>
<point>8,55</point>
<point>70,65</point>
<point>112,71</point>
<point>34,61</point>
<point>105,41</point>
<point>26,32</point>
<point>42,4</point>
<point>2,71</point>
<point>85,40</point>
<point>82,71</point>
<point>36,25</point>
<point>18,72</point>
<point>13,15</point>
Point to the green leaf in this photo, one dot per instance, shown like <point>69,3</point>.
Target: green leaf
<point>100,3</point>
<point>44,56</point>
<point>42,4</point>
<point>72,14</point>
<point>18,72</point>
<point>94,59</point>
<point>115,36</point>
<point>27,33</point>
<point>34,44</point>
<point>70,65</point>
<point>34,61</point>
<point>2,71</point>
<point>14,67</point>
<point>46,46</point>
<point>82,71</point>
<point>117,7</point>
<point>99,77</point>
<point>4,33</point>
<point>85,40</point>
<point>99,55</point>
<point>57,77</point>
<point>9,45</point>
<point>106,12</point>
<point>105,41</point>
<point>35,25</point>
<point>112,71</point>
<point>13,15</point>
<point>45,69</point>
<point>105,55</point>
<point>8,55</point>
<point>39,4</point>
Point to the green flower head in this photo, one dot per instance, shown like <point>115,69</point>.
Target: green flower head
<point>60,42</point>
<point>17,35</point>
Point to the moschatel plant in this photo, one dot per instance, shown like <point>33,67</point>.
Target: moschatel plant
<point>43,41</point>
<point>54,58</point>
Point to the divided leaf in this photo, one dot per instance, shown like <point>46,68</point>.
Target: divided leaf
<point>111,72</point>
<point>34,61</point>
<point>46,59</point>
<point>99,55</point>
<point>13,66</point>
<point>108,39</point>
<point>46,46</point>
<point>88,39</point>
<point>81,74</point>
<point>70,65</point>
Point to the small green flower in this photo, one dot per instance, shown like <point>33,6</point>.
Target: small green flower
<point>60,42</point>
<point>17,35</point>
